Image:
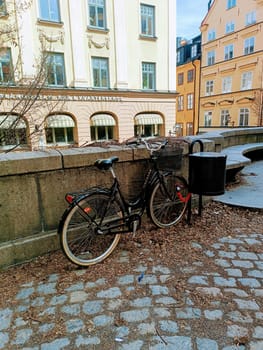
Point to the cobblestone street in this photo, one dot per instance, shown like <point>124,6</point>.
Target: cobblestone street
<point>214,303</point>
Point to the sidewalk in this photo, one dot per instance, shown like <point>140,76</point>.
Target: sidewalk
<point>196,287</point>
<point>250,193</point>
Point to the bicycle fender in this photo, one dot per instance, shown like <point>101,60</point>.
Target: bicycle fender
<point>77,200</point>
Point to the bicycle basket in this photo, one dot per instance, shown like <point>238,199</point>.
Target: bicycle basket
<point>170,158</point>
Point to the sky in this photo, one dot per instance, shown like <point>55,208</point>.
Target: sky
<point>190,14</point>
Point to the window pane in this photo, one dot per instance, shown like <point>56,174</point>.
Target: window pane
<point>148,76</point>
<point>6,71</point>
<point>56,69</point>
<point>100,72</point>
<point>147,20</point>
<point>97,13</point>
<point>49,10</point>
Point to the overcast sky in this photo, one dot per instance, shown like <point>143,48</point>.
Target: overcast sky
<point>190,14</point>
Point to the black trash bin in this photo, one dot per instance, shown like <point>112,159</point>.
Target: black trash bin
<point>207,173</point>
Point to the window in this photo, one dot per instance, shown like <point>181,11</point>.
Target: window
<point>249,45</point>
<point>230,4</point>
<point>147,21</point>
<point>190,75</point>
<point>102,127</point>
<point>12,131</point>
<point>2,7</point>
<point>229,51</point>
<point>59,129</point>
<point>97,13</point>
<point>211,35</point>
<point>56,69</point>
<point>6,69</point>
<point>100,69</point>
<point>194,50</point>
<point>210,58</point>
<point>190,99</point>
<point>180,78</point>
<point>49,10</point>
<point>209,87</point>
<point>225,117</point>
<point>180,101</point>
<point>208,118</point>
<point>243,116</point>
<point>230,27</point>
<point>189,128</point>
<point>148,124</point>
<point>226,84</point>
<point>148,76</point>
<point>250,18</point>
<point>246,81</point>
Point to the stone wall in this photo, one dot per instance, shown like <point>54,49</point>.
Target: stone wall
<point>33,186</point>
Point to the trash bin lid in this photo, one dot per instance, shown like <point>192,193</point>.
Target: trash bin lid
<point>208,155</point>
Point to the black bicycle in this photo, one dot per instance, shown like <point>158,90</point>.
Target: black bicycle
<point>91,226</point>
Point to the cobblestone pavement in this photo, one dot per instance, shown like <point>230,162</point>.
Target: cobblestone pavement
<point>218,305</point>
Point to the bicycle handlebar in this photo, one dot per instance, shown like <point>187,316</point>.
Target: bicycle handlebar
<point>151,147</point>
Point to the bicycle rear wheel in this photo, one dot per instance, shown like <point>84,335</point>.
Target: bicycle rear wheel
<point>165,206</point>
<point>85,237</point>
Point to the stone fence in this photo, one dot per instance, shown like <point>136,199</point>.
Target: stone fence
<point>33,186</point>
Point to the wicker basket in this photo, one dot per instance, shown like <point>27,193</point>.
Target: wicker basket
<point>170,158</point>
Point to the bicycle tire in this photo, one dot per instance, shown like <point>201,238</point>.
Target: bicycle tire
<point>80,240</point>
<point>165,207</point>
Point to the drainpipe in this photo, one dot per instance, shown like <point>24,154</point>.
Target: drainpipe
<point>198,102</point>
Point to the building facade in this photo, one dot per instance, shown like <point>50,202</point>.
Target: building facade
<point>232,65</point>
<point>74,72</point>
<point>188,83</point>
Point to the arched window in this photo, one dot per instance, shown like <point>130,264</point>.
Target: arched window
<point>148,124</point>
<point>12,131</point>
<point>102,127</point>
<point>59,129</point>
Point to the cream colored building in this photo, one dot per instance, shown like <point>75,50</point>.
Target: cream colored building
<point>110,71</point>
<point>232,65</point>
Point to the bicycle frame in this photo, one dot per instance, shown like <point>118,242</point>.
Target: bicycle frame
<point>130,215</point>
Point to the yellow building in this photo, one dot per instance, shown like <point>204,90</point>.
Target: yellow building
<point>232,65</point>
<point>73,72</point>
<point>188,83</point>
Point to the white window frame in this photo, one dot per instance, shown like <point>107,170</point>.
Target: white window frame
<point>211,35</point>
<point>190,101</point>
<point>230,27</point>
<point>148,76</point>
<point>210,57</point>
<point>56,67</point>
<point>243,117</point>
<point>209,87</point>
<point>147,20</point>
<point>225,117</point>
<point>180,101</point>
<point>208,118</point>
<point>229,52</point>
<point>97,14</point>
<point>51,13</point>
<point>100,72</point>
<point>249,45</point>
<point>230,4</point>
<point>226,84</point>
<point>6,61</point>
<point>250,18</point>
<point>246,80</point>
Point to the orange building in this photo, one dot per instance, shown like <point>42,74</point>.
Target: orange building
<point>188,83</point>
<point>232,65</point>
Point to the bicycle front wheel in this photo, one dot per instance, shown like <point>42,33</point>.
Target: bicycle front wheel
<point>168,201</point>
<point>85,237</point>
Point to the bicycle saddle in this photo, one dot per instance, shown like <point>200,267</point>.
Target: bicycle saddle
<point>105,164</point>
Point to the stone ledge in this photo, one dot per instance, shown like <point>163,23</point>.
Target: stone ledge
<point>236,154</point>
